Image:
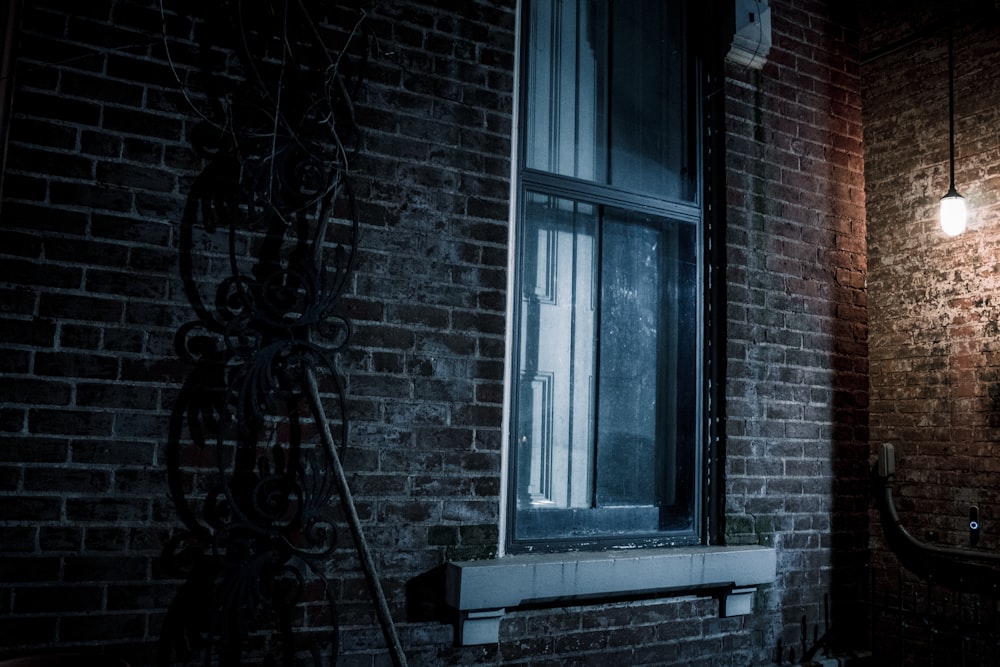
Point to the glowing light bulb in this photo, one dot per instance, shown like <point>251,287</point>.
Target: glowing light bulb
<point>953,213</point>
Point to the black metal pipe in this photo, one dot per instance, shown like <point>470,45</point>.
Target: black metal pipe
<point>893,525</point>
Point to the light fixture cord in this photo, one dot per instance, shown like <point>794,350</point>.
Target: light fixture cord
<point>951,103</point>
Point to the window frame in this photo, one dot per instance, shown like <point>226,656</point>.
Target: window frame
<point>702,211</point>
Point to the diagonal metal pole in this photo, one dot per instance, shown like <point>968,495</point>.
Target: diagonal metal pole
<point>347,501</point>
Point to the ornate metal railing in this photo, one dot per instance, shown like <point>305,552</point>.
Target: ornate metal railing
<point>260,426</point>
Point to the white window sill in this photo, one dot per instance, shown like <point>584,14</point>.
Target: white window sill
<point>481,591</point>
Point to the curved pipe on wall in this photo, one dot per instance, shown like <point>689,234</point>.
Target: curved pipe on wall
<point>930,560</point>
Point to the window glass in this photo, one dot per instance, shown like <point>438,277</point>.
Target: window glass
<point>606,429</point>
<point>607,371</point>
<point>557,353</point>
<point>607,95</point>
<point>648,351</point>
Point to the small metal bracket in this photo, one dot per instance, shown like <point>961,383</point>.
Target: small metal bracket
<point>479,626</point>
<point>737,602</point>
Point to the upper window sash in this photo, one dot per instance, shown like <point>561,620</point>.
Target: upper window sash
<point>610,96</point>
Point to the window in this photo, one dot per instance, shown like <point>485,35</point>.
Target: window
<point>609,423</point>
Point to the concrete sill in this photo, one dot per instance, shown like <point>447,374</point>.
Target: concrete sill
<point>481,591</point>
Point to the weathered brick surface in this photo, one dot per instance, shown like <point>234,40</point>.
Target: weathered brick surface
<point>99,168</point>
<point>934,313</point>
<point>797,387</point>
<point>934,365</point>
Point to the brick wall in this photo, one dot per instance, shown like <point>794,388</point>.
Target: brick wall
<point>933,298</point>
<point>101,165</point>
<point>89,294</point>
<point>933,313</point>
<point>797,392</point>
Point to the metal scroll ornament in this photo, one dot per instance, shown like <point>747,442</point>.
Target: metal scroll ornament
<point>260,424</point>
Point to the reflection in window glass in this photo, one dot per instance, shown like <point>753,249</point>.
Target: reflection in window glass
<point>607,356</point>
<point>557,355</point>
<point>647,374</point>
<point>607,424</point>
<point>607,95</point>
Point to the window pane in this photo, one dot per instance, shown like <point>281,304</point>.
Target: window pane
<point>606,421</point>
<point>651,143</point>
<point>607,95</point>
<point>567,81</point>
<point>647,390</point>
<point>557,357</point>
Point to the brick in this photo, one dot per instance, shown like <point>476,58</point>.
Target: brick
<point>22,631</point>
<point>140,123</point>
<point>124,340</point>
<point>53,107</point>
<point>111,395</point>
<point>35,450</point>
<point>28,332</point>
<point>36,273</point>
<point>149,540</point>
<point>154,259</point>
<point>12,420</point>
<point>40,600</point>
<point>386,362</point>
<point>100,144</point>
<point>80,337</point>
<point>38,218</point>
<point>100,539</point>
<point>94,253</point>
<point>69,422</point>
<point>138,597</point>
<point>32,132</point>
<point>384,337</point>
<point>442,390</point>
<point>18,539</point>
<point>104,626</point>
<point>135,177</point>
<point>92,195</point>
<point>122,283</point>
<point>21,245</point>
<point>68,480</point>
<point>36,392</point>
<point>169,206</point>
<point>100,88</point>
<point>432,317</point>
<point>442,535</point>
<point>180,158</point>
<point>29,568</point>
<point>76,364</point>
<point>60,538</point>
<point>141,425</point>
<point>105,568</point>
<point>145,151</point>
<point>112,453</point>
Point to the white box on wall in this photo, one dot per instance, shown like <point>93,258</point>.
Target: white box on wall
<point>752,39</point>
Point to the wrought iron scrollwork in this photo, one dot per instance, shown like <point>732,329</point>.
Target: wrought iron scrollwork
<point>259,426</point>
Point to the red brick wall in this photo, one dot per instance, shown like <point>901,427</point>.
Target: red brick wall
<point>101,163</point>
<point>934,362</point>
<point>934,313</point>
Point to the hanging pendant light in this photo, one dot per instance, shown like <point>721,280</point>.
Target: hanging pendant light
<point>952,204</point>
